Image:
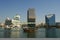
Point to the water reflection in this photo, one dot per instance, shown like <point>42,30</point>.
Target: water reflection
<point>51,32</point>
<point>1,32</point>
<point>15,33</point>
<point>7,32</point>
<point>31,35</point>
<point>58,33</point>
<point>40,33</point>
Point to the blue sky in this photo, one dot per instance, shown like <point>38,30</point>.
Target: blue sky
<point>42,7</point>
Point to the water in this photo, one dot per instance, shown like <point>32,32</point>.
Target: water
<point>40,33</point>
<point>51,33</point>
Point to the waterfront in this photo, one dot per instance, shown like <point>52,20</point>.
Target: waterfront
<point>40,33</point>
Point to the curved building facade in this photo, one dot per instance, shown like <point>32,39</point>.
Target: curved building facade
<point>50,19</point>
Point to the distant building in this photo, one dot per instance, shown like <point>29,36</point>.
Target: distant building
<point>31,17</point>
<point>50,19</point>
<point>16,21</point>
<point>57,23</point>
<point>8,21</point>
<point>2,24</point>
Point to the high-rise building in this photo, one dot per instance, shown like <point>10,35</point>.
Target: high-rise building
<point>50,19</point>
<point>31,17</point>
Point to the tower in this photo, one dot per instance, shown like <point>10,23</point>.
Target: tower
<point>50,19</point>
<point>31,17</point>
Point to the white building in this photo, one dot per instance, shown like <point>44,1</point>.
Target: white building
<point>16,21</point>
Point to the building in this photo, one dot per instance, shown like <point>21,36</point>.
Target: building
<point>16,21</point>
<point>50,19</point>
<point>8,21</point>
<point>57,24</point>
<point>31,17</point>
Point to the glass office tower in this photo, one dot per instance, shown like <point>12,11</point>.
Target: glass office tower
<point>31,17</point>
<point>50,19</point>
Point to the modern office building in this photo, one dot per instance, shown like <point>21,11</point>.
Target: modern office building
<point>16,21</point>
<point>50,19</point>
<point>31,17</point>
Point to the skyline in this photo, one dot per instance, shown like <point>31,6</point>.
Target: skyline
<point>42,7</point>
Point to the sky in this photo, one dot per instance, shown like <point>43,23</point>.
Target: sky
<point>9,8</point>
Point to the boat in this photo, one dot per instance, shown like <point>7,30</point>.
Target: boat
<point>25,29</point>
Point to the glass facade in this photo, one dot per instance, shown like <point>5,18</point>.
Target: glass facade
<point>31,17</point>
<point>50,19</point>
